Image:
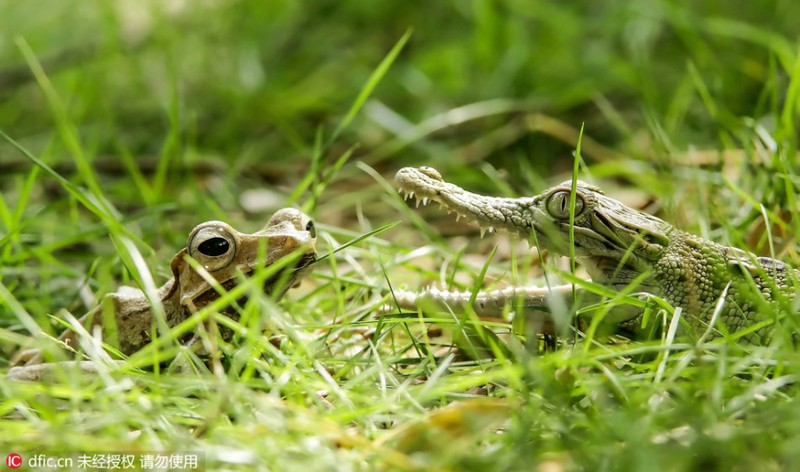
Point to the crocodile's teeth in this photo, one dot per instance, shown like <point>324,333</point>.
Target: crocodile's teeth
<point>487,229</point>
<point>424,201</point>
<point>458,217</point>
<point>418,201</point>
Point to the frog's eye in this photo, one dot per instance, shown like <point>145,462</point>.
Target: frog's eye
<point>213,245</point>
<point>558,205</point>
<point>312,230</point>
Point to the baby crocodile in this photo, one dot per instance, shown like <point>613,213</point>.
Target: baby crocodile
<point>619,247</point>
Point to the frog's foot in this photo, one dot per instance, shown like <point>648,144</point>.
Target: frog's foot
<point>27,357</point>
<point>52,371</point>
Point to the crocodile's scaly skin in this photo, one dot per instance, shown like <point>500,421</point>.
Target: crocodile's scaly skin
<point>619,245</point>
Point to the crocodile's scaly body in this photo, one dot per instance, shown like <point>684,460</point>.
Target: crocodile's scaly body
<point>619,247</point>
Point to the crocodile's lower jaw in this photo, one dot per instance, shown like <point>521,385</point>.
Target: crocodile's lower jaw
<point>425,200</point>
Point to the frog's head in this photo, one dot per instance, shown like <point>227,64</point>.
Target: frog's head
<point>226,255</point>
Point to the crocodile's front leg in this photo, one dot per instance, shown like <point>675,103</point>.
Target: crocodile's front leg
<point>542,310</point>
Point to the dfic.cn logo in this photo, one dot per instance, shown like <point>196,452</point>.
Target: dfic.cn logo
<point>14,460</point>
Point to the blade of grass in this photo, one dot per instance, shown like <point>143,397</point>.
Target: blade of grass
<point>66,129</point>
<point>372,83</point>
<point>359,239</point>
<point>312,177</point>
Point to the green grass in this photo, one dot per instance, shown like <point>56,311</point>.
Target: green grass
<point>153,118</point>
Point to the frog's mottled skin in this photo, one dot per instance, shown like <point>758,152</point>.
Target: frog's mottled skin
<point>225,254</point>
<point>618,245</point>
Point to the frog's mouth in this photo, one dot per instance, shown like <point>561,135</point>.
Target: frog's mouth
<point>286,278</point>
<point>305,261</point>
<point>295,273</point>
<point>298,271</point>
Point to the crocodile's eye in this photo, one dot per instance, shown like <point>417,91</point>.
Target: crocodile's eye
<point>212,244</point>
<point>558,205</point>
<point>312,230</point>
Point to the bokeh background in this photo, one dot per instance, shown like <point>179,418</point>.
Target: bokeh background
<point>239,91</point>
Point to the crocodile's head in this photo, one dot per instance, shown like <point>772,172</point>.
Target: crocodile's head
<point>605,230</point>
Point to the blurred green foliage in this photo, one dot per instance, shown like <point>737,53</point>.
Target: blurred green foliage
<point>251,82</point>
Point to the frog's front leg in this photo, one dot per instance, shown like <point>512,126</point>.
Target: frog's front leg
<point>29,357</point>
<point>29,364</point>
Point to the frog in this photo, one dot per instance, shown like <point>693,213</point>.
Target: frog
<point>224,254</point>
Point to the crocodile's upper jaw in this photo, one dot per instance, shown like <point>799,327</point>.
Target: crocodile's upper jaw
<point>602,228</point>
<point>425,184</point>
